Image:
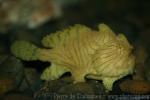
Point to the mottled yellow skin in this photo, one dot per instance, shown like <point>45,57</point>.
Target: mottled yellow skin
<point>100,54</point>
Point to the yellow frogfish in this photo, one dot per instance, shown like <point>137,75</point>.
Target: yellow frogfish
<point>85,53</point>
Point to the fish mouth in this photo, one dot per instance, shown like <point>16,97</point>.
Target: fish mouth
<point>131,52</point>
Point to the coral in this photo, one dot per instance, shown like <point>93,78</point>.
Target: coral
<point>141,58</point>
<point>84,52</point>
<point>135,86</point>
<point>6,84</point>
<point>30,14</point>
